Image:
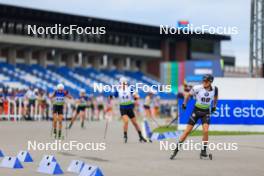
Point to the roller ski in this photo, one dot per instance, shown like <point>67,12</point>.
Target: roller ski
<point>125,139</point>
<point>82,125</point>
<point>175,152</point>
<point>58,135</point>
<point>142,139</point>
<point>69,127</point>
<point>204,155</point>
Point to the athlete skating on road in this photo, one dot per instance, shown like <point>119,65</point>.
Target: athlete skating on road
<point>82,103</point>
<point>126,96</point>
<point>205,95</point>
<point>147,104</point>
<point>2,100</point>
<point>58,105</point>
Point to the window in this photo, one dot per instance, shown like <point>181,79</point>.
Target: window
<point>202,46</point>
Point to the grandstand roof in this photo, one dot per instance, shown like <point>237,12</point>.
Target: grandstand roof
<point>29,15</point>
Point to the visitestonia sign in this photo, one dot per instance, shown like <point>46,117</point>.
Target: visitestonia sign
<point>230,112</point>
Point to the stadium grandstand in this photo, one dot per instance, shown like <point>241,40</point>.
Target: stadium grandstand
<point>135,51</point>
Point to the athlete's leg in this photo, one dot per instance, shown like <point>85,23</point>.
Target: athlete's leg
<point>92,112</point>
<point>55,123</point>
<point>125,119</point>
<point>42,107</point>
<point>60,119</point>
<point>186,132</point>
<point>134,122</point>
<point>75,114</point>
<point>1,110</point>
<point>82,117</point>
<point>147,112</point>
<point>205,139</point>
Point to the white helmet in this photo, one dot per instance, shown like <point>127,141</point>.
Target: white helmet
<point>123,80</point>
<point>60,86</point>
<point>36,90</point>
<point>82,91</point>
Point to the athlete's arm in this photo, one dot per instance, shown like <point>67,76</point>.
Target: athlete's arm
<point>52,95</point>
<point>186,98</point>
<point>68,95</point>
<point>215,99</point>
<point>136,96</point>
<point>188,95</point>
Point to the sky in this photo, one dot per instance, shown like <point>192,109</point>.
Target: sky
<point>226,13</point>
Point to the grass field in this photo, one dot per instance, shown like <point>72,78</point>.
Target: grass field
<point>163,129</point>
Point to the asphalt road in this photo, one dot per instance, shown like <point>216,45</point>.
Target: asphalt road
<point>133,158</point>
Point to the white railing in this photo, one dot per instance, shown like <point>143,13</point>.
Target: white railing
<point>16,111</point>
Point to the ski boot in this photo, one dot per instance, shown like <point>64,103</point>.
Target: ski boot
<point>60,137</point>
<point>55,133</point>
<point>125,139</point>
<point>70,125</point>
<point>204,155</point>
<point>142,139</point>
<point>175,151</point>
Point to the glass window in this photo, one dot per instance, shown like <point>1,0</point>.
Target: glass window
<point>202,45</point>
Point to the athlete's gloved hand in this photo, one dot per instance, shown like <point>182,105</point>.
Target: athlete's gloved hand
<point>213,109</point>
<point>183,106</point>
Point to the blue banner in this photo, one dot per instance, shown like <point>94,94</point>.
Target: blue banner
<point>194,70</point>
<point>230,112</point>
